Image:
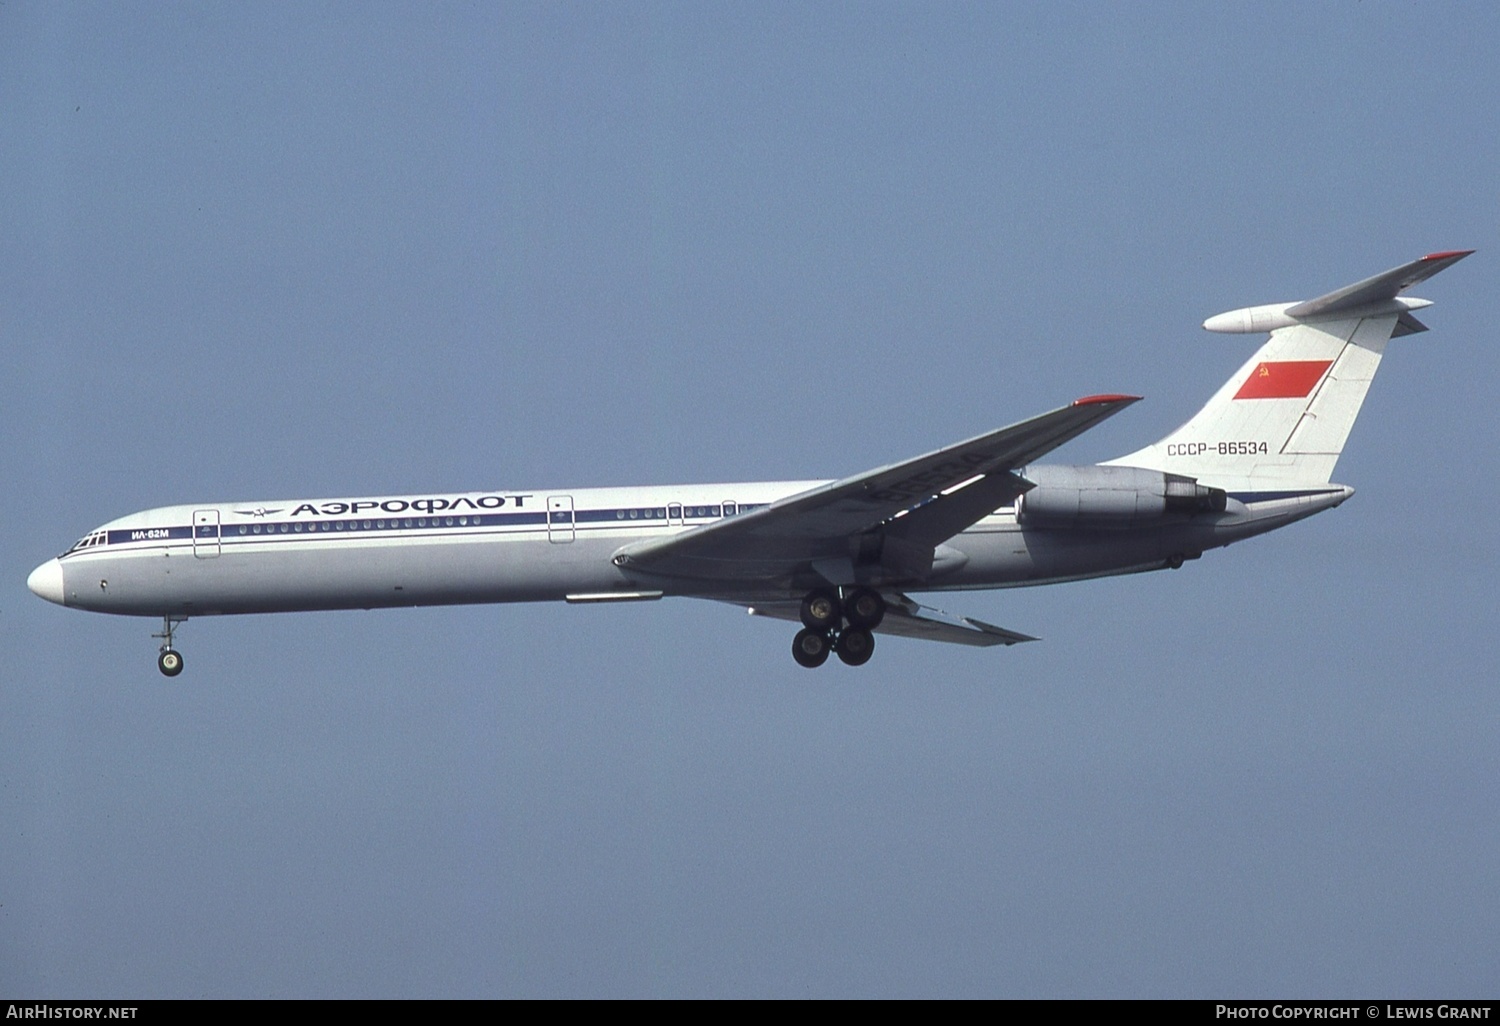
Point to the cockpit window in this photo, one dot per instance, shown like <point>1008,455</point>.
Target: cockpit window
<point>88,541</point>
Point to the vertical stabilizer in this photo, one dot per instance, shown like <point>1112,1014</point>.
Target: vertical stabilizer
<point>1284,416</point>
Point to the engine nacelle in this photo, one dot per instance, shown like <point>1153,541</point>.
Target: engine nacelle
<point>1111,497</point>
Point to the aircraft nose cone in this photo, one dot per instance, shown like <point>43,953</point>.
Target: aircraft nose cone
<point>47,581</point>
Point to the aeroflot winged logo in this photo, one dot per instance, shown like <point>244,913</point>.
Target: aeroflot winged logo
<point>435,504</point>
<point>1283,379</point>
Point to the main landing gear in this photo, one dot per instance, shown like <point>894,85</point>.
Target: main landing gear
<point>838,621</point>
<point>169,661</point>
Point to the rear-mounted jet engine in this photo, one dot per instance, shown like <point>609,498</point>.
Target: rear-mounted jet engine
<point>1111,497</point>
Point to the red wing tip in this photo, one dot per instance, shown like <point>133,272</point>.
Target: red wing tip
<point>1094,400</point>
<point>1447,254</point>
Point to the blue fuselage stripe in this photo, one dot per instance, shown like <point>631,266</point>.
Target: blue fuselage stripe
<point>342,527</point>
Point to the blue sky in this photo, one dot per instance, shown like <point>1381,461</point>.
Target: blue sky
<point>260,252</point>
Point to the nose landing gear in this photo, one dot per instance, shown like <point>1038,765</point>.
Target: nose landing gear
<point>169,660</point>
<point>838,621</point>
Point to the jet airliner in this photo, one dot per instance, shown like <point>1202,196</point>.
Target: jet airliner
<point>836,557</point>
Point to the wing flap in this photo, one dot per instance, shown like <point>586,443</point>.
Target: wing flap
<point>907,618</point>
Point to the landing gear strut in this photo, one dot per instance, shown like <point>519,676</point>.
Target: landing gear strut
<point>169,660</point>
<point>838,621</point>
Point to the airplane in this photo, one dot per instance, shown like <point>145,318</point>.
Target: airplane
<point>836,557</point>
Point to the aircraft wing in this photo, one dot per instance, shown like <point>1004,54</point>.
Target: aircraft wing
<point>907,618</point>
<point>887,521</point>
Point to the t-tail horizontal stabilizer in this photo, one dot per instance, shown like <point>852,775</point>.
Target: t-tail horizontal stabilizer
<point>1378,294</point>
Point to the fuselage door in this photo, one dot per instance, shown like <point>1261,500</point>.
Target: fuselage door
<point>559,518</point>
<point>205,533</point>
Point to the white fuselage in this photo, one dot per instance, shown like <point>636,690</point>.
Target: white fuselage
<point>508,546</point>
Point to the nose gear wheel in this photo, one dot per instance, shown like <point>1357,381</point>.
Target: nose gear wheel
<point>168,659</point>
